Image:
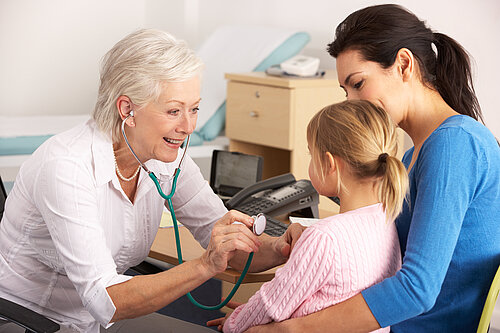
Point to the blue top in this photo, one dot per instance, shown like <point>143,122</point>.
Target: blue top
<point>449,233</point>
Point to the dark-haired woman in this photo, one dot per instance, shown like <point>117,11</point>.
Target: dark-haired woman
<point>449,228</point>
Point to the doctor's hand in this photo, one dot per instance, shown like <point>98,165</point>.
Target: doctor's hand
<point>285,244</point>
<point>228,237</point>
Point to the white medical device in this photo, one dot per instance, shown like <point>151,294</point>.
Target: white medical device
<point>259,224</point>
<point>301,65</point>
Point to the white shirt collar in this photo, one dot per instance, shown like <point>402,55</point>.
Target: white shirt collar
<point>102,153</point>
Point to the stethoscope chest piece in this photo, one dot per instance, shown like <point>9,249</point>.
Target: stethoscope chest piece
<point>259,224</point>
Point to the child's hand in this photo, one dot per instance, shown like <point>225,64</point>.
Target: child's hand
<point>219,322</point>
<point>287,241</point>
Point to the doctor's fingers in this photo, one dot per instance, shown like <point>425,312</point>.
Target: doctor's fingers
<point>230,246</point>
<point>237,241</point>
<point>236,229</point>
<point>219,253</point>
<point>235,216</point>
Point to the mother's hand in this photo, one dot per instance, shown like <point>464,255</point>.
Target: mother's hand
<point>228,237</point>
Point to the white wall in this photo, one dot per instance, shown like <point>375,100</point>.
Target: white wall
<point>50,50</point>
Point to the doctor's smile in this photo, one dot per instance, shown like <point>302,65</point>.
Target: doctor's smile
<point>174,142</point>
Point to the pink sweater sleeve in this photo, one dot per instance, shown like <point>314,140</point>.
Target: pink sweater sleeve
<point>304,274</point>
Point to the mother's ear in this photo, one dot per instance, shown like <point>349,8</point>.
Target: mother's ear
<point>405,64</point>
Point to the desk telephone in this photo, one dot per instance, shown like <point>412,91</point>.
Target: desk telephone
<point>276,196</point>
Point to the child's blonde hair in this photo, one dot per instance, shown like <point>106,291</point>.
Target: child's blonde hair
<point>363,135</point>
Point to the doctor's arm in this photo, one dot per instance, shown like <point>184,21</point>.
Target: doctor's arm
<point>145,294</point>
<point>68,204</point>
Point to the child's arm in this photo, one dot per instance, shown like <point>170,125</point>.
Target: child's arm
<point>304,274</point>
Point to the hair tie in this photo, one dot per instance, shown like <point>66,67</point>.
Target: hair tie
<point>382,158</point>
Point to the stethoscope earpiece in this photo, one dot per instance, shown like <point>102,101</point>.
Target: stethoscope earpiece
<point>130,115</point>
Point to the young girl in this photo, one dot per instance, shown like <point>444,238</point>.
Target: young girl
<point>353,147</point>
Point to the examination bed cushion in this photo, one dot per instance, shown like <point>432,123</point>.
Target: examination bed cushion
<point>23,135</point>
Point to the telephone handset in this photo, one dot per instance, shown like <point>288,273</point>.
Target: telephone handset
<point>275,196</point>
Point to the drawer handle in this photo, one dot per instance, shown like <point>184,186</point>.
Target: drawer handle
<point>254,114</point>
<point>257,94</point>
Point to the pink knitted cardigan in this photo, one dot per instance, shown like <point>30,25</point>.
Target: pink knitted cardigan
<point>333,260</point>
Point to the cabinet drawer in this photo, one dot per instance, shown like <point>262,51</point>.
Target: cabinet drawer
<point>259,114</point>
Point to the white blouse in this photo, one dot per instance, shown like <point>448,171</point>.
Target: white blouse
<point>69,231</point>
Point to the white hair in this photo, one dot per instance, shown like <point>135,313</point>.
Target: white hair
<point>135,67</point>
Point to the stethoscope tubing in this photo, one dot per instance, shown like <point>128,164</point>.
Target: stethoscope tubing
<point>168,198</point>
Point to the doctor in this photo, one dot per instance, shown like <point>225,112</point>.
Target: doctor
<point>82,211</point>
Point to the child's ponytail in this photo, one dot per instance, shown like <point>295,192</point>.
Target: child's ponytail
<point>394,184</point>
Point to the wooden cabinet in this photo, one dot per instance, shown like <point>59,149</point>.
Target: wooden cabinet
<point>268,116</point>
<point>260,115</point>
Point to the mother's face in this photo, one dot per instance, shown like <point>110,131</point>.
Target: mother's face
<point>162,125</point>
<point>367,80</point>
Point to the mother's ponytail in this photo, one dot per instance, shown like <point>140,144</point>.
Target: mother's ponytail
<point>454,78</point>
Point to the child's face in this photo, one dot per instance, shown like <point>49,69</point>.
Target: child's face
<point>324,184</point>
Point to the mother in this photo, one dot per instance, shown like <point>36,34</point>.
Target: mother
<point>449,228</point>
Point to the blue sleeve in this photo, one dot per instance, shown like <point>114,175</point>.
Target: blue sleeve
<point>446,174</point>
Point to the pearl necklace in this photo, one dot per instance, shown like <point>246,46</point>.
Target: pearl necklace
<point>120,174</point>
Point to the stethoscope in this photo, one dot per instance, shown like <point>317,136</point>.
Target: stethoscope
<point>258,225</point>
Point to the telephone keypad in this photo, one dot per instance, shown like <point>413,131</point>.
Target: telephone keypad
<point>256,206</point>
<point>275,227</point>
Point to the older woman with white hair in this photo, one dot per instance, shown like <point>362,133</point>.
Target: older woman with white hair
<point>82,210</point>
